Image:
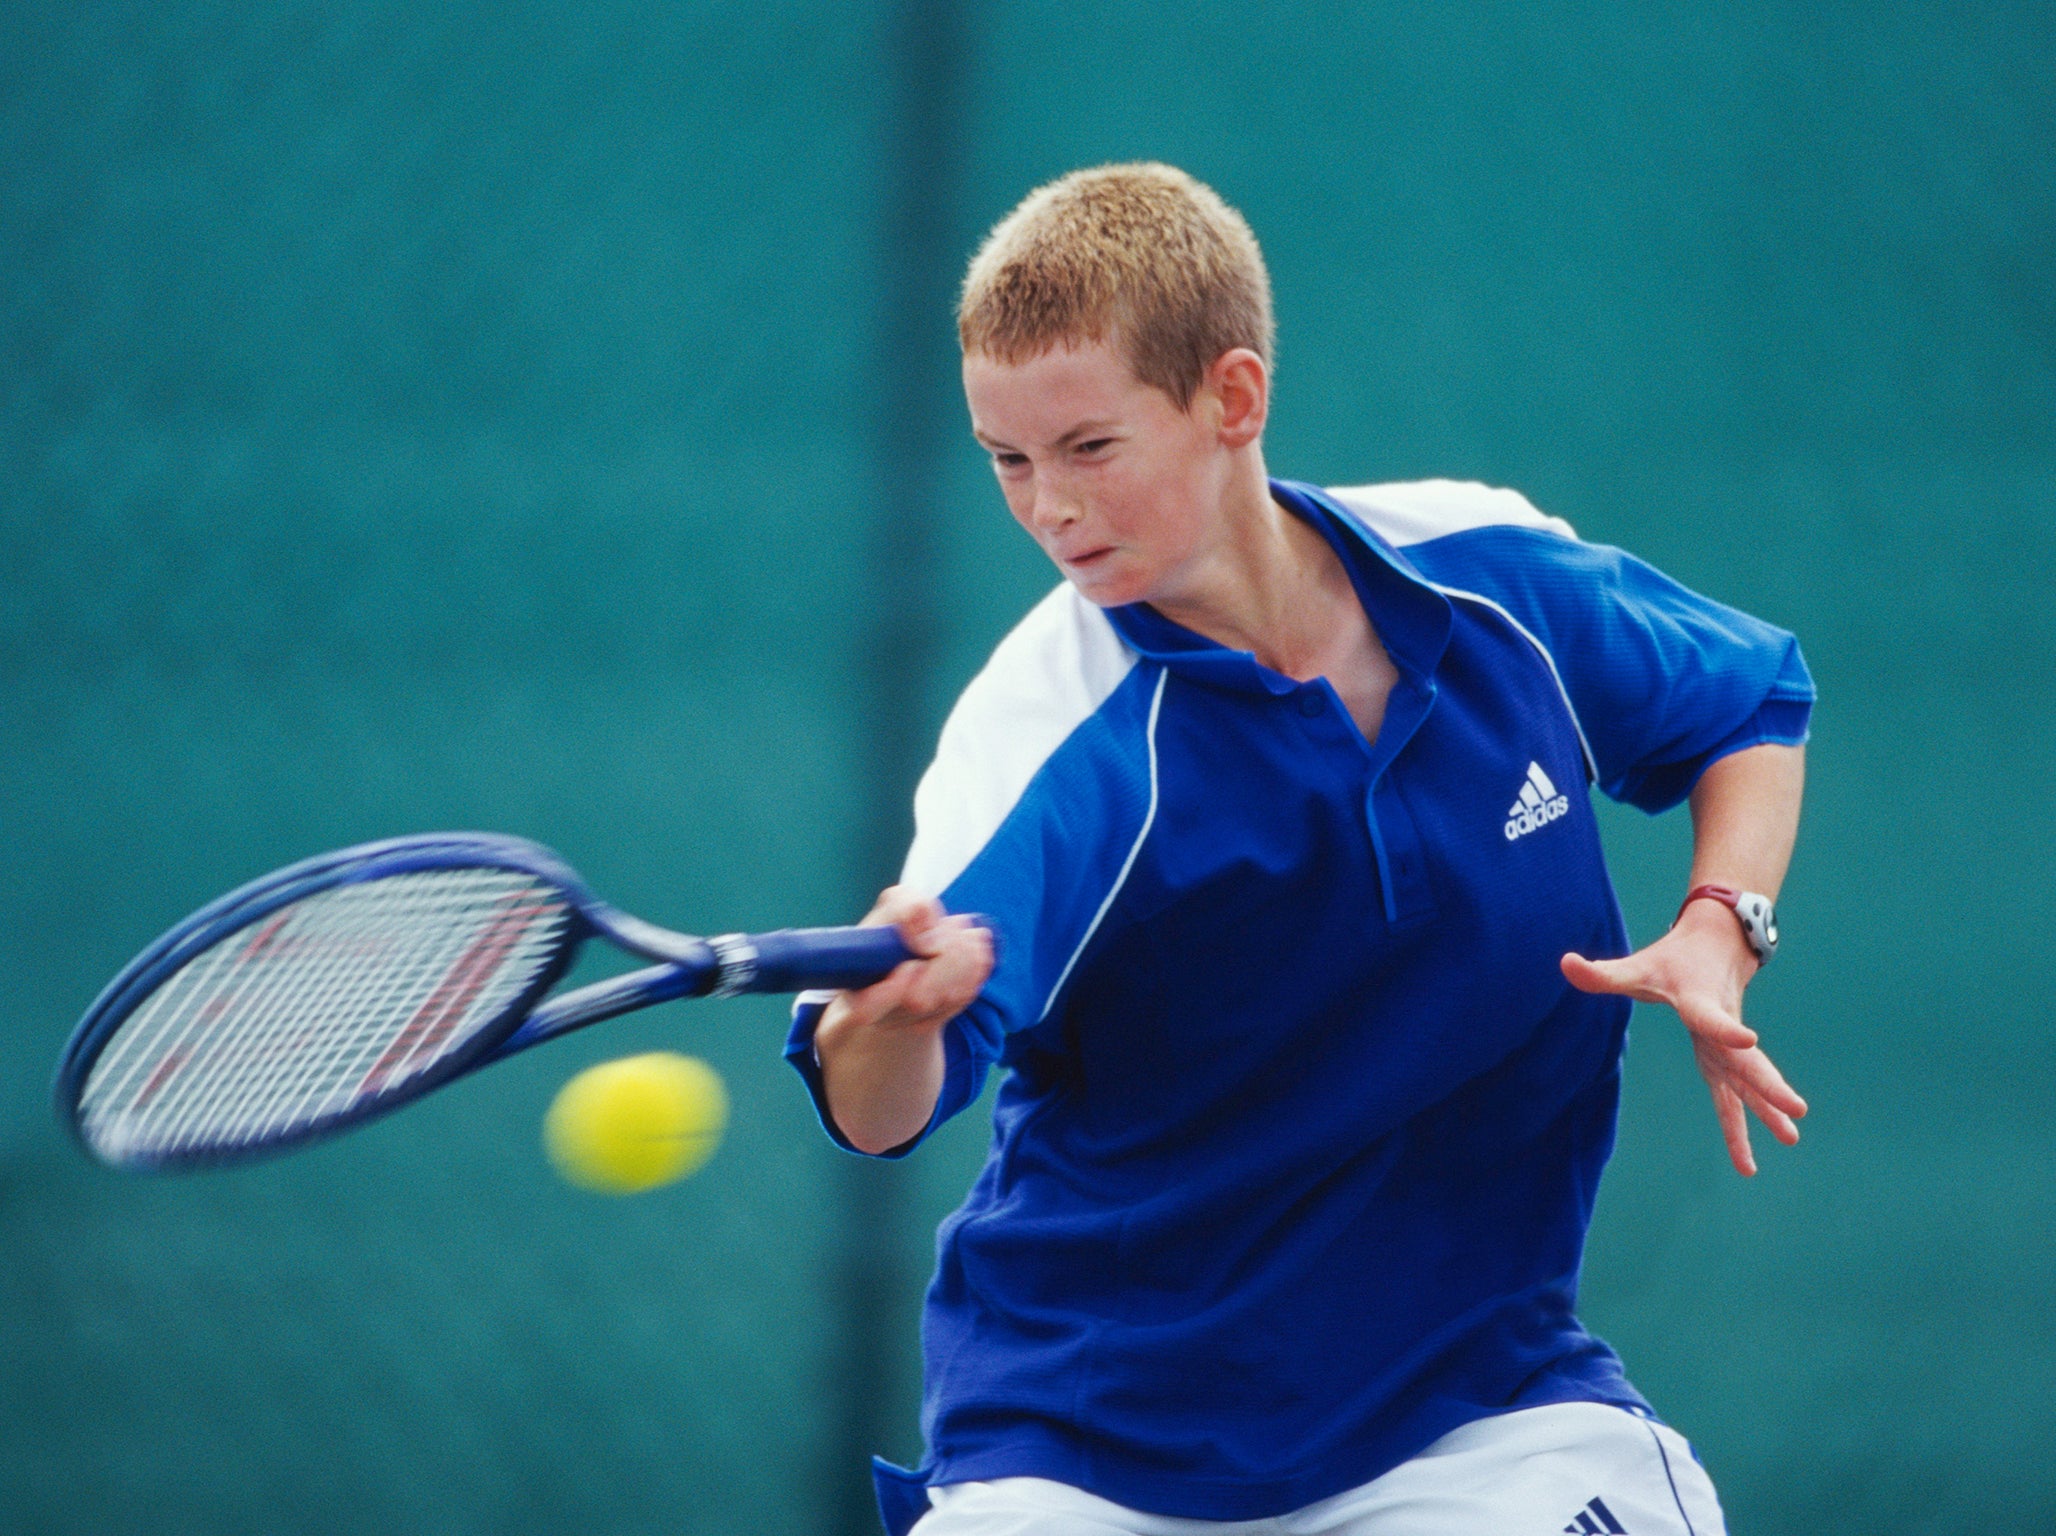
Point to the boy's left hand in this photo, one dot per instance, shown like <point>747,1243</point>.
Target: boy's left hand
<point>1699,969</point>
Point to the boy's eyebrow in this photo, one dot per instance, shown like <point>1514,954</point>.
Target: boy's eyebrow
<point>1090,428</point>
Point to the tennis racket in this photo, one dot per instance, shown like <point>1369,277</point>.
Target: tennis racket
<point>338,989</point>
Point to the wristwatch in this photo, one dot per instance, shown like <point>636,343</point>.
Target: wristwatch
<point>1756,914</point>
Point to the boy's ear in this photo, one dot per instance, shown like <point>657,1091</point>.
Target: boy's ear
<point>1241,386</point>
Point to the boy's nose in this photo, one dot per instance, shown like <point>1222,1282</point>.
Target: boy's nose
<point>1055,508</point>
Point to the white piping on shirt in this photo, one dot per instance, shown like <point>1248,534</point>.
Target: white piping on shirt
<point>1591,763</point>
<point>1156,704</point>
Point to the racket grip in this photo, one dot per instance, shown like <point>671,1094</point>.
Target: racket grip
<point>810,959</point>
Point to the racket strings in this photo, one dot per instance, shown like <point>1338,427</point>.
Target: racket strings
<point>334,1000</point>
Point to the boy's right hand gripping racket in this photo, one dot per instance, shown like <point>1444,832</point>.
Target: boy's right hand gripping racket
<point>340,988</point>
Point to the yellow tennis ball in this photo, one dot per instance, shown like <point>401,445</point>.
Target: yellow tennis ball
<point>629,1125</point>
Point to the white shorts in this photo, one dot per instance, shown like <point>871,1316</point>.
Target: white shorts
<point>1581,1468</point>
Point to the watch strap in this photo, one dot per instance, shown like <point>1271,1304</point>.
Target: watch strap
<point>1755,912</point>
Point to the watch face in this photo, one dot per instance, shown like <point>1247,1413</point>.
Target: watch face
<point>1759,921</point>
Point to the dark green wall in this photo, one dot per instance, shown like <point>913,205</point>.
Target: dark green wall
<point>416,418</point>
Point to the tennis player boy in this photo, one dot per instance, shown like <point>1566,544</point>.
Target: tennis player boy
<point>1276,803</point>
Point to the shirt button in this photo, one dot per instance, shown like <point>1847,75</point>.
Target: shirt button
<point>1311,703</point>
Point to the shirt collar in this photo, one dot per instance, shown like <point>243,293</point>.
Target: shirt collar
<point>1411,617</point>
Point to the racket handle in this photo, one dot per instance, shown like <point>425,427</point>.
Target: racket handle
<point>810,959</point>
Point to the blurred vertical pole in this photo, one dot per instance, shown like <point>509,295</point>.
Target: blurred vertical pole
<point>916,407</point>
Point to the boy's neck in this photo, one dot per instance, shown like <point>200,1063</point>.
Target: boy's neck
<point>1270,584</point>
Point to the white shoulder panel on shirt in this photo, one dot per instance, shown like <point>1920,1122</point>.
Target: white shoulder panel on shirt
<point>1046,678</point>
<point>1414,511</point>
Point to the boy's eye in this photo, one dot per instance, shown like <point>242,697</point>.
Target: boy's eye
<point>1010,460</point>
<point>1095,445</point>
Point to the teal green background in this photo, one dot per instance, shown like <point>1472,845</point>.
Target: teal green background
<point>418,417</point>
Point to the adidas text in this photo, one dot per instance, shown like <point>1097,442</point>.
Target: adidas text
<point>1527,821</point>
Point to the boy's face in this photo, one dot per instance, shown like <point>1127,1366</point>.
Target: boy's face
<point>1120,487</point>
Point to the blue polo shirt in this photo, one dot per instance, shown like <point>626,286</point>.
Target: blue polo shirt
<point>1301,1126</point>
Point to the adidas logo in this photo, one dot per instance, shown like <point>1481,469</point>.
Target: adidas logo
<point>1537,807</point>
<point>1595,1519</point>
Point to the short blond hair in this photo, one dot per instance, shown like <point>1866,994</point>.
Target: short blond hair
<point>1142,254</point>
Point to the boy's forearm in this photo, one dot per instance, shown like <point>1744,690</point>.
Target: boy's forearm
<point>882,1083</point>
<point>1745,818</point>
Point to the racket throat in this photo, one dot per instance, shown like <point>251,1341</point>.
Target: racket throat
<point>735,958</point>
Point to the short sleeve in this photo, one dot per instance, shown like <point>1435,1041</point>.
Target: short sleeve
<point>1664,681</point>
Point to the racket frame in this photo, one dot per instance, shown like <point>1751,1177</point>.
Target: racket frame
<point>689,966</point>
